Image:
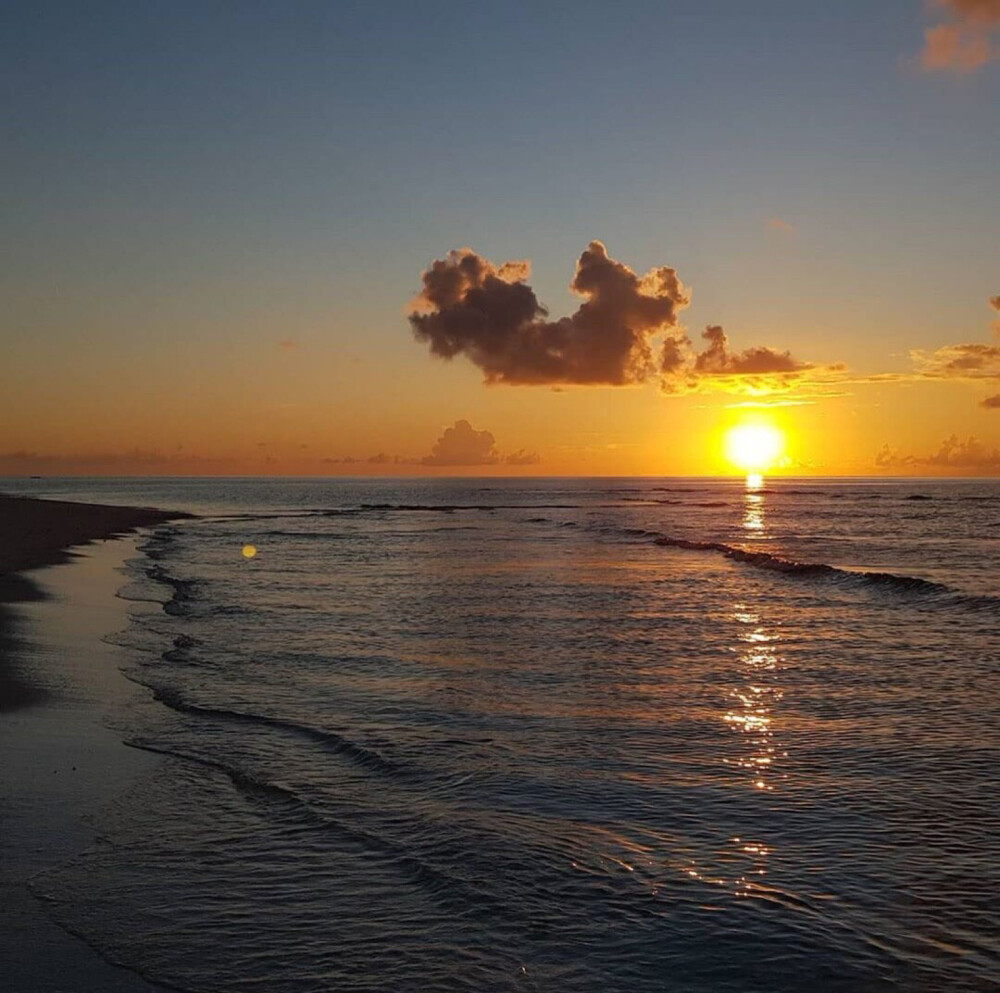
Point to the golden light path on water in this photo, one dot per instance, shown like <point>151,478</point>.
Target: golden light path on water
<point>750,714</point>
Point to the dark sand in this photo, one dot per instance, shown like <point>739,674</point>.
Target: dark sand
<point>62,763</point>
<point>36,533</point>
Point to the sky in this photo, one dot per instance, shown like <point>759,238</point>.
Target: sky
<point>253,238</point>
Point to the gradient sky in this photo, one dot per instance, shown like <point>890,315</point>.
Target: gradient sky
<point>216,217</point>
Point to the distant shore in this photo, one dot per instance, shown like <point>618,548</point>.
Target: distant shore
<point>36,533</point>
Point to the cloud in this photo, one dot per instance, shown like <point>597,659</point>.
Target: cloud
<point>469,306</point>
<point>463,445</point>
<point>972,360</point>
<point>150,461</point>
<point>783,227</point>
<point>965,42</point>
<point>995,303</point>
<point>521,457</point>
<point>288,344</point>
<point>991,403</point>
<point>953,453</point>
<point>759,370</point>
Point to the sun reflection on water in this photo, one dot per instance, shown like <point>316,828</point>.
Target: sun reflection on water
<point>753,507</point>
<point>754,697</point>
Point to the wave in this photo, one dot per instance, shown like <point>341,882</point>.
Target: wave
<point>775,563</point>
<point>362,755</point>
<point>450,508</point>
<point>284,798</point>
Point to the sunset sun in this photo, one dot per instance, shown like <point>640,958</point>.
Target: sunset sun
<point>754,448</point>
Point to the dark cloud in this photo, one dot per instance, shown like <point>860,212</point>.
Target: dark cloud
<point>992,403</point>
<point>759,370</point>
<point>717,359</point>
<point>469,306</point>
<point>995,303</point>
<point>953,453</point>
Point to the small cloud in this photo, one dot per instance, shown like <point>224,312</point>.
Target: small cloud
<point>965,41</point>
<point>521,457</point>
<point>462,444</point>
<point>757,371</point>
<point>970,360</point>
<point>288,344</point>
<point>991,403</point>
<point>782,227</point>
<point>380,459</point>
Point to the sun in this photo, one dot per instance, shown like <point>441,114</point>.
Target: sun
<point>753,448</point>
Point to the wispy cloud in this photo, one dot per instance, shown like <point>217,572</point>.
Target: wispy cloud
<point>781,227</point>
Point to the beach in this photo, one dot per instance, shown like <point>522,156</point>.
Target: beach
<point>62,763</point>
<point>37,533</point>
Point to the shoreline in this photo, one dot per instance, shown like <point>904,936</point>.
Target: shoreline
<point>36,533</point>
<point>64,764</point>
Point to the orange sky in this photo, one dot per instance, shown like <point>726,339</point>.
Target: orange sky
<point>213,250</point>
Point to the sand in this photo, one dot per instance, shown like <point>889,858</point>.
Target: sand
<point>62,762</point>
<point>36,533</point>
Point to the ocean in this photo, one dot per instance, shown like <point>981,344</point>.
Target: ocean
<point>554,735</point>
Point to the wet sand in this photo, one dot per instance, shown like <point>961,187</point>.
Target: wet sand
<point>36,533</point>
<point>62,763</point>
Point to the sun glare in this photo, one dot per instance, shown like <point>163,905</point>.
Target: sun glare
<point>753,448</point>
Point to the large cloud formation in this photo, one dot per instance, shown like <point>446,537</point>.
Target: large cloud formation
<point>964,42</point>
<point>469,306</point>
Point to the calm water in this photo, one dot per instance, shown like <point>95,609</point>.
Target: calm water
<point>599,735</point>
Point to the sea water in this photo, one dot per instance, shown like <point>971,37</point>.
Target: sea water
<point>555,735</point>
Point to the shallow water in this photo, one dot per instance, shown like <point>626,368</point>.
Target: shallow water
<point>557,735</point>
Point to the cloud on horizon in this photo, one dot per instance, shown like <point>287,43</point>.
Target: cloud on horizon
<point>965,41</point>
<point>458,445</point>
<point>462,445</point>
<point>991,403</point>
<point>23,460</point>
<point>953,453</point>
